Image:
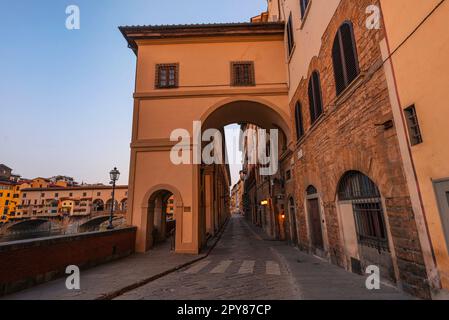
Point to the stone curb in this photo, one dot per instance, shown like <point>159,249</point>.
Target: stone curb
<point>119,292</point>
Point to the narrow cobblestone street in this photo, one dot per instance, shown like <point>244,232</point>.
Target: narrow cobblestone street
<point>244,265</point>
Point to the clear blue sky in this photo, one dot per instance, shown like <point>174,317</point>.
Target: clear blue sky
<point>66,96</point>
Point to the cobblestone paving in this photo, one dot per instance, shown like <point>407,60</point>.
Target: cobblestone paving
<point>246,266</point>
<point>241,266</point>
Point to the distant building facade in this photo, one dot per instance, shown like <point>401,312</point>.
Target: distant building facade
<point>73,201</point>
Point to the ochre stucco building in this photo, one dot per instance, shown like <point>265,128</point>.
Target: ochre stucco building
<point>357,90</point>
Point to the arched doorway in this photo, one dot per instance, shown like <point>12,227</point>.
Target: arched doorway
<point>109,205</point>
<point>124,205</point>
<point>364,224</point>
<point>161,219</point>
<point>292,215</point>
<point>315,220</point>
<point>98,205</point>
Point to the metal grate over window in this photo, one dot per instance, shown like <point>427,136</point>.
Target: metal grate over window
<point>243,73</point>
<point>167,76</point>
<point>370,223</point>
<point>367,207</point>
<point>413,125</point>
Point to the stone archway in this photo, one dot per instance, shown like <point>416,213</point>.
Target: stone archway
<point>154,213</point>
<point>98,205</point>
<point>240,110</point>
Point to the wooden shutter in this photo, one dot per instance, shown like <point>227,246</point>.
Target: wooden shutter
<point>299,121</point>
<point>344,57</point>
<point>315,99</point>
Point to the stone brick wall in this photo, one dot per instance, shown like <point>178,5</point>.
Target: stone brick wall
<point>30,262</point>
<point>350,136</point>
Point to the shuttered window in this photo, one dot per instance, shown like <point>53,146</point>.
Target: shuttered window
<point>303,4</point>
<point>290,36</point>
<point>243,73</point>
<point>299,121</point>
<point>344,57</point>
<point>315,98</point>
<point>167,76</point>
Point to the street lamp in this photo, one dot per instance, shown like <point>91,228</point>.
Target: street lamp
<point>114,175</point>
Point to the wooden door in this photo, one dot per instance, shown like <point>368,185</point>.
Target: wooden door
<point>315,223</point>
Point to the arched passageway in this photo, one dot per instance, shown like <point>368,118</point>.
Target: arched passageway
<point>254,118</point>
<point>124,205</point>
<point>161,219</point>
<point>205,186</point>
<point>108,206</point>
<point>98,205</point>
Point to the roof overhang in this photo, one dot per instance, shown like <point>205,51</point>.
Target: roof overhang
<point>133,34</point>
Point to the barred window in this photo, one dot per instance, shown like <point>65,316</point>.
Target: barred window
<point>315,98</point>
<point>242,73</point>
<point>414,130</point>
<point>167,76</point>
<point>367,207</point>
<point>344,57</point>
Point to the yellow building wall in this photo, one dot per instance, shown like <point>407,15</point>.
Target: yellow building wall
<point>421,67</point>
<point>6,198</point>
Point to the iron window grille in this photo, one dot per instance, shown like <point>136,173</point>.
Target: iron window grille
<point>243,73</point>
<point>167,76</point>
<point>367,207</point>
<point>413,126</point>
<point>344,57</point>
<point>311,190</point>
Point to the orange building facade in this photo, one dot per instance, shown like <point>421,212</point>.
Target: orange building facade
<point>350,187</point>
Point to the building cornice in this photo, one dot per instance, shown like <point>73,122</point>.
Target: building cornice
<point>281,89</point>
<point>179,33</point>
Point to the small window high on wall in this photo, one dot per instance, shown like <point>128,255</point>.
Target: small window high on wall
<point>414,130</point>
<point>243,73</point>
<point>167,76</point>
